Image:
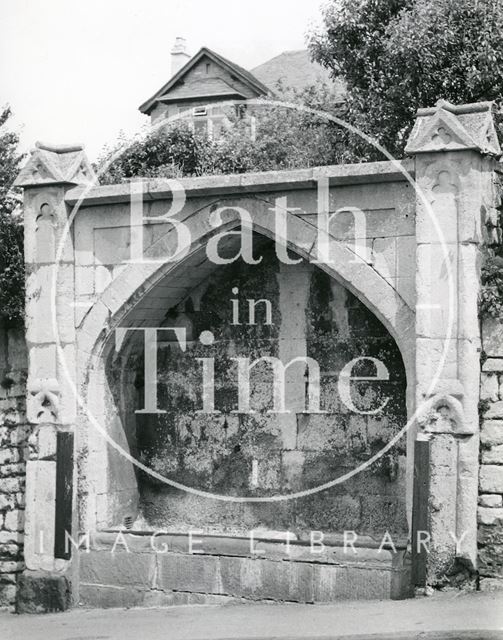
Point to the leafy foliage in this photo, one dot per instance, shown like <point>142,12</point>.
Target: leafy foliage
<point>398,55</point>
<point>285,138</point>
<point>491,296</point>
<point>163,153</point>
<point>11,229</point>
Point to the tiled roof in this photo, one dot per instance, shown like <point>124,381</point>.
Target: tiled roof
<point>294,69</point>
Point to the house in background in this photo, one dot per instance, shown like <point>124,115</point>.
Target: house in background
<point>296,70</point>
<point>201,86</point>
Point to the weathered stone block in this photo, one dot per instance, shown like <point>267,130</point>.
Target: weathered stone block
<point>119,569</point>
<point>489,387</point>
<point>491,584</point>
<point>187,572</point>
<point>492,337</point>
<point>9,455</point>
<point>14,520</point>
<point>12,469</point>
<point>490,500</point>
<point>384,255</point>
<point>491,479</point>
<point>493,364</point>
<point>16,347</point>
<point>42,593</point>
<point>10,550</point>
<point>350,583</point>
<point>495,411</point>
<point>40,514</point>
<point>492,432</point>
<point>259,579</point>
<point>7,537</point>
<point>10,566</point>
<point>489,515</point>
<point>494,455</point>
<point>102,596</point>
<point>491,561</point>
<point>4,436</point>
<point>7,594</point>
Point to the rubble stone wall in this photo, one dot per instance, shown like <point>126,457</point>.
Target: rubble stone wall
<point>13,440</point>
<point>490,510</point>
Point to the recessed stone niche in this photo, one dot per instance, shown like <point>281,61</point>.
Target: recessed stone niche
<point>262,453</point>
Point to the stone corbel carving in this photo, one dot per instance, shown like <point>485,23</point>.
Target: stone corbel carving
<point>43,401</point>
<point>443,413</point>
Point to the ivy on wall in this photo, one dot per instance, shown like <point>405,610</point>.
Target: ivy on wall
<point>11,227</point>
<point>11,267</point>
<point>491,296</point>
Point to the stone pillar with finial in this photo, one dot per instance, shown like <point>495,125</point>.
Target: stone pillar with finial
<point>454,148</point>
<point>49,173</point>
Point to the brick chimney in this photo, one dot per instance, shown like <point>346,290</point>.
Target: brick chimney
<point>179,55</point>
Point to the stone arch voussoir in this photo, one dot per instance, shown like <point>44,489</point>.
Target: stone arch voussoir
<point>354,273</point>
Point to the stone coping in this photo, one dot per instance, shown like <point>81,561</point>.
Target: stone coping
<point>367,550</point>
<point>338,175</point>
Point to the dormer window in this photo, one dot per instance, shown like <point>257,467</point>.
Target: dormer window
<point>199,111</point>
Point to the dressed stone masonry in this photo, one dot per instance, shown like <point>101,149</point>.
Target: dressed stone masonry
<point>416,285</point>
<point>51,407</point>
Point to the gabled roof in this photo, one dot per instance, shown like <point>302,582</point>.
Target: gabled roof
<point>207,88</point>
<point>245,76</point>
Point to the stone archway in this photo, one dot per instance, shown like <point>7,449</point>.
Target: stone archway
<point>255,455</point>
<point>130,299</point>
<point>297,281</point>
<point>404,285</point>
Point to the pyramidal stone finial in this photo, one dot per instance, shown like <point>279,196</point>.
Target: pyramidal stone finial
<point>56,164</point>
<point>449,127</point>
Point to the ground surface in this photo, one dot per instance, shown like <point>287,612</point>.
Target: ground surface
<point>448,616</point>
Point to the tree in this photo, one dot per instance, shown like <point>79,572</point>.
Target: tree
<point>11,228</point>
<point>398,55</point>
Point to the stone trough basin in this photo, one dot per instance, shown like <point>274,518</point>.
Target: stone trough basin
<point>147,569</point>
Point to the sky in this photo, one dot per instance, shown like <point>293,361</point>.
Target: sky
<point>77,71</point>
